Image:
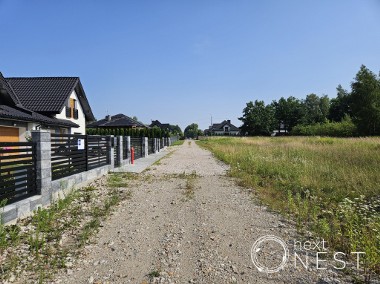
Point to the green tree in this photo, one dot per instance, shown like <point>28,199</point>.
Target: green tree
<point>365,102</point>
<point>288,112</point>
<point>340,106</point>
<point>176,130</point>
<point>258,119</point>
<point>192,131</point>
<point>316,109</point>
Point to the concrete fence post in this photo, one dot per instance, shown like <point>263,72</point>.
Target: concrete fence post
<point>43,165</point>
<point>145,146</point>
<point>155,145</point>
<point>128,141</point>
<point>120,154</point>
<point>111,150</point>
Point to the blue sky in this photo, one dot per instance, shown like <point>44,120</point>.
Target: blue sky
<point>182,61</point>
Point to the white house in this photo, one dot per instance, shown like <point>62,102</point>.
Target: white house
<point>58,104</point>
<point>223,128</point>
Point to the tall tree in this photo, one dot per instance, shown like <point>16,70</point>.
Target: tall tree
<point>340,106</point>
<point>365,102</point>
<point>316,109</point>
<point>288,112</point>
<point>258,119</point>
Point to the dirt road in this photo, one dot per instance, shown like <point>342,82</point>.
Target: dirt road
<point>187,222</point>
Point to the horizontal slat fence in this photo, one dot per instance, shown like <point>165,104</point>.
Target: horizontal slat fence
<point>136,143</point>
<point>66,157</point>
<point>125,148</point>
<point>116,153</point>
<point>97,151</point>
<point>73,153</point>
<point>150,146</point>
<point>17,170</point>
<point>173,139</point>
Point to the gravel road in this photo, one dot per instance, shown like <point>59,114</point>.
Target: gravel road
<point>187,222</point>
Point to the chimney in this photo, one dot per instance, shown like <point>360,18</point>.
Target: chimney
<point>228,121</point>
<point>108,117</point>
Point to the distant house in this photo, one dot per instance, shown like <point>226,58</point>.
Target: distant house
<point>162,126</point>
<point>57,104</point>
<point>223,128</point>
<point>116,121</point>
<point>281,131</point>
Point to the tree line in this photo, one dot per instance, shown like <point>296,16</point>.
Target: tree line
<point>350,113</point>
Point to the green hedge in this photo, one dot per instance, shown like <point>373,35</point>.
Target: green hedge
<point>345,128</point>
<point>145,132</point>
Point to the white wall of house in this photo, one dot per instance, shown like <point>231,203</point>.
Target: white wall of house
<point>22,134</point>
<point>37,126</point>
<point>81,121</point>
<point>230,132</point>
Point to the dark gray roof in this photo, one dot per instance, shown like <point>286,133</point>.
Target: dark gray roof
<point>21,114</point>
<point>160,125</point>
<point>118,120</point>
<point>48,94</point>
<point>219,126</point>
<point>7,94</point>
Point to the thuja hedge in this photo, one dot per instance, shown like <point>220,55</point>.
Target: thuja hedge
<point>133,132</point>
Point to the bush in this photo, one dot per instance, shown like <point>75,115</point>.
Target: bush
<point>345,128</point>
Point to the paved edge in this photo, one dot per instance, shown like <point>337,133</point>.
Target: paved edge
<point>143,163</point>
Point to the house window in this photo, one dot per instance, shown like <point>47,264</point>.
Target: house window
<point>225,128</point>
<point>72,109</point>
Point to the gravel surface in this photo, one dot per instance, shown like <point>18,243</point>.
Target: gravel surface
<point>187,222</point>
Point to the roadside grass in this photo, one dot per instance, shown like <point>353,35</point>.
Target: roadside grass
<point>190,184</point>
<point>40,245</point>
<point>178,143</point>
<point>158,162</point>
<point>120,179</point>
<point>330,186</point>
<point>155,273</point>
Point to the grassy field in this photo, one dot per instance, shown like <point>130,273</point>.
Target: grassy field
<point>330,186</point>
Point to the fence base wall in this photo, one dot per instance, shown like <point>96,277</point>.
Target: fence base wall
<point>59,189</point>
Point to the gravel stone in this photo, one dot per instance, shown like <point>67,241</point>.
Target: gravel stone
<point>160,235</point>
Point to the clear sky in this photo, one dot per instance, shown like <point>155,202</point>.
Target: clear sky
<point>181,61</point>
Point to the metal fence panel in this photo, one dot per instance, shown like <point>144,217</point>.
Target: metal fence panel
<point>136,143</point>
<point>73,153</point>
<point>67,157</point>
<point>17,170</point>
<point>116,152</point>
<point>151,146</point>
<point>97,151</point>
<point>125,148</point>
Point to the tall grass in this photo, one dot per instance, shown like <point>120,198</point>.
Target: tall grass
<point>328,185</point>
